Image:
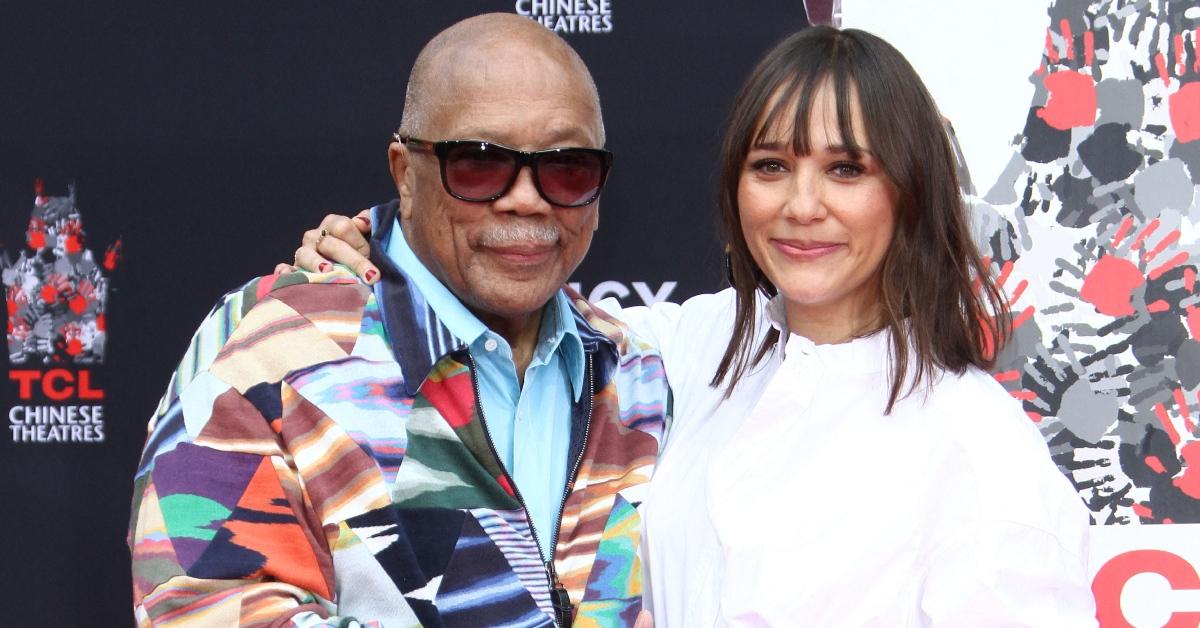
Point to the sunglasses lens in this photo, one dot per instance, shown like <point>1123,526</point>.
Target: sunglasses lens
<point>570,178</point>
<point>478,171</point>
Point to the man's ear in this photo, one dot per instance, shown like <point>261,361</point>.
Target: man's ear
<point>399,162</point>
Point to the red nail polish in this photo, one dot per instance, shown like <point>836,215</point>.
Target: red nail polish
<point>323,267</point>
<point>370,276</point>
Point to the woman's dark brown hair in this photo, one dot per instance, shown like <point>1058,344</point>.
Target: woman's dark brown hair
<point>936,296</point>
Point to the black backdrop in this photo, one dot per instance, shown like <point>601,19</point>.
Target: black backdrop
<point>208,135</point>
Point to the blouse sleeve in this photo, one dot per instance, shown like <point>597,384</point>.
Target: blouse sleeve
<point>691,335</point>
<point>1018,556</point>
<point>1009,574</point>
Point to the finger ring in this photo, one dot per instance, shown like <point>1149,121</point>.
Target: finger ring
<point>320,237</point>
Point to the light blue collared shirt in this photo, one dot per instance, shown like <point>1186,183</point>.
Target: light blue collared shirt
<point>531,425</point>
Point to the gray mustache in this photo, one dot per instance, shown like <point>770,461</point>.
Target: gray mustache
<point>520,233</point>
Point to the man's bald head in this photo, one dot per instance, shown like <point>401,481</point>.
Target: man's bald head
<point>457,56</point>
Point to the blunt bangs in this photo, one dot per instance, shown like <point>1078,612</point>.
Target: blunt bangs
<point>793,89</point>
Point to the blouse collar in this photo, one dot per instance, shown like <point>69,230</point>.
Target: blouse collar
<point>868,354</point>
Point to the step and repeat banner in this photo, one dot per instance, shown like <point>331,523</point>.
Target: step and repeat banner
<point>154,157</point>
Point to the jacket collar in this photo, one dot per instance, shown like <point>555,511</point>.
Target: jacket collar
<point>417,337</point>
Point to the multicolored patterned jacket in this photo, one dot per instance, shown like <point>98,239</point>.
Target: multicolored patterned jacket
<point>318,459</point>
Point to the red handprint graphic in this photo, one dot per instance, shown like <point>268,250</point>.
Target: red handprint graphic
<point>1094,234</point>
<point>55,291</point>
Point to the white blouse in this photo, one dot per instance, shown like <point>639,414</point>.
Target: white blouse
<point>798,502</point>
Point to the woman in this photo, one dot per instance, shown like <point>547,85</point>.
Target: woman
<point>844,459</point>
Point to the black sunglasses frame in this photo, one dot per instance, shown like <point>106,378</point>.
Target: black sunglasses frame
<point>520,158</point>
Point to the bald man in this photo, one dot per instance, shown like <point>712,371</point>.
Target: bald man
<point>460,442</point>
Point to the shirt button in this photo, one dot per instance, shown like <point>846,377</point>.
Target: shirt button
<point>490,344</point>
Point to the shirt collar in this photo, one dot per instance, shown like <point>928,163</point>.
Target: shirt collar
<point>864,354</point>
<point>776,312</point>
<point>556,333</point>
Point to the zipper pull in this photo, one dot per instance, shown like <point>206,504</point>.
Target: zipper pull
<point>563,612</point>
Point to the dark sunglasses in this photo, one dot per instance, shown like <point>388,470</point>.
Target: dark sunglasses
<point>478,171</point>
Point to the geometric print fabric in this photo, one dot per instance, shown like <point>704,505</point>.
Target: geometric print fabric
<point>304,478</point>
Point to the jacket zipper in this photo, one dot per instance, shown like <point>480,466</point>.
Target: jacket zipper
<point>562,601</point>
<point>558,593</point>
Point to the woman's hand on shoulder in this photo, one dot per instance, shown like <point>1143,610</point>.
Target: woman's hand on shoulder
<point>338,239</point>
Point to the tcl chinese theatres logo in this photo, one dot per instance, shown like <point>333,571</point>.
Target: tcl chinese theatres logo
<point>56,292</point>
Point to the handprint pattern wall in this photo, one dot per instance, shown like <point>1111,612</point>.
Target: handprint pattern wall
<point>56,292</point>
<point>1092,231</point>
